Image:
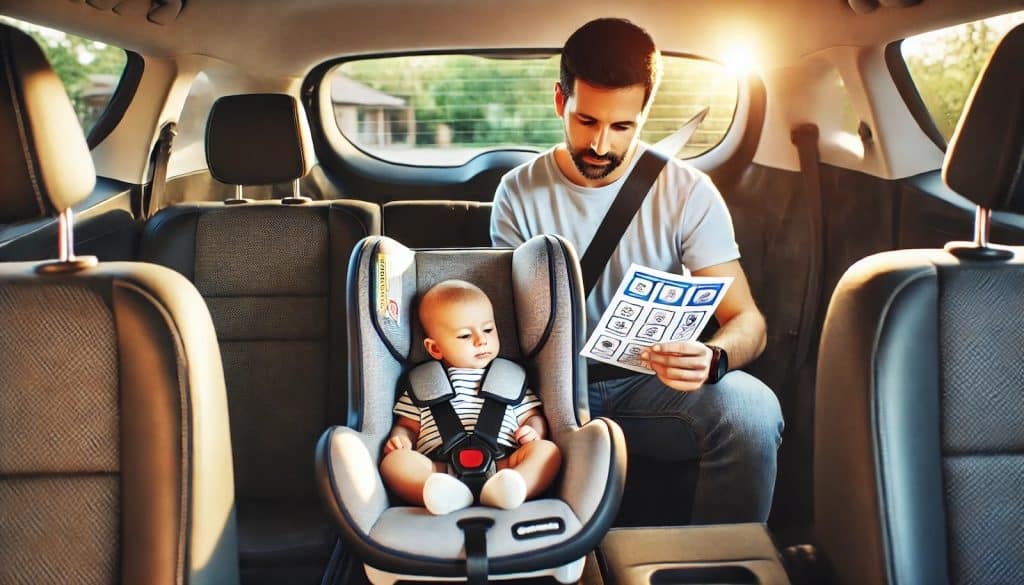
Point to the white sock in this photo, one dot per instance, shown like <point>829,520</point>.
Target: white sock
<point>505,489</point>
<point>443,494</point>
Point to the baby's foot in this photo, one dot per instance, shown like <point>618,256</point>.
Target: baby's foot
<point>505,489</point>
<point>443,494</point>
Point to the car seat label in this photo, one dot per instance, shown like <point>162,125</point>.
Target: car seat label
<point>538,528</point>
<point>389,290</point>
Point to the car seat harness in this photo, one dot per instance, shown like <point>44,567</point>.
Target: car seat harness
<point>471,455</point>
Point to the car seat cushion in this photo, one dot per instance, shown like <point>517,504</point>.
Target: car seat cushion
<point>416,532</point>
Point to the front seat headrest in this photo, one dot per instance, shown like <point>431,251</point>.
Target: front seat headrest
<point>45,162</point>
<point>257,139</point>
<point>985,159</point>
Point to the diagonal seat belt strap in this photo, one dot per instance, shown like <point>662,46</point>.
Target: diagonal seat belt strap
<point>477,565</point>
<point>631,195</point>
<point>161,154</point>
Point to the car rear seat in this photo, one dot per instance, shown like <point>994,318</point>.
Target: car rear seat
<point>438,224</point>
<point>273,276</point>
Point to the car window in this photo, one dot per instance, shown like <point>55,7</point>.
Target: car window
<point>945,63</point>
<point>90,70</point>
<point>442,110</point>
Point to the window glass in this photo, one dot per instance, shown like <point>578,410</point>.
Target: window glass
<point>945,63</point>
<point>442,110</point>
<point>90,70</point>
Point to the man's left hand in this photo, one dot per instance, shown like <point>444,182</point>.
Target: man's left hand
<point>680,365</point>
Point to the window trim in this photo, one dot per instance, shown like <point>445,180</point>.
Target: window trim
<point>120,100</point>
<point>910,94</point>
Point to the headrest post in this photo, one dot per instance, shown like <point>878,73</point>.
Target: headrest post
<point>980,248</point>
<point>66,259</point>
<point>295,199</point>
<point>238,199</point>
<point>65,236</point>
<point>982,224</point>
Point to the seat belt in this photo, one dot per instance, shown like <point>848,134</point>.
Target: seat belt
<point>161,154</point>
<point>805,138</point>
<point>627,202</point>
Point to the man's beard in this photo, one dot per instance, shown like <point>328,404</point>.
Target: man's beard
<point>590,171</point>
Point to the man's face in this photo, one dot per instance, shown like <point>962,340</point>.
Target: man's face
<point>601,126</point>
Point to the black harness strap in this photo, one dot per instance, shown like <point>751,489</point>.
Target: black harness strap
<point>448,425</point>
<point>631,195</point>
<point>488,425</point>
<point>477,565</point>
<point>161,155</point>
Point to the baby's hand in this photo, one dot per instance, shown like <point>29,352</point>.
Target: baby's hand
<point>397,442</point>
<point>525,434</point>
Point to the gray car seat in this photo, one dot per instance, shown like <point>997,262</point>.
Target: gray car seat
<point>267,271</point>
<point>536,293</point>
<point>115,454</point>
<point>919,456</point>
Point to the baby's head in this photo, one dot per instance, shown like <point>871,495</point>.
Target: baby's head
<point>458,322</point>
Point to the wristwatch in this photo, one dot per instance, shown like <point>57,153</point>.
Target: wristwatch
<point>719,364</point>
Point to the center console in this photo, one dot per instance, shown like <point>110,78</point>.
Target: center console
<point>727,554</point>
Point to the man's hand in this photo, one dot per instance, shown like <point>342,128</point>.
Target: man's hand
<point>525,434</point>
<point>680,365</point>
<point>397,442</point>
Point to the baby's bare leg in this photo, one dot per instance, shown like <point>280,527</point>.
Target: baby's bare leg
<point>537,462</point>
<point>404,472</point>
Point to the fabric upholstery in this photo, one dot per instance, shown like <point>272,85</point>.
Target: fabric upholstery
<point>257,139</point>
<point>537,296</point>
<point>985,158</point>
<point>139,435</point>
<point>273,277</point>
<point>44,159</point>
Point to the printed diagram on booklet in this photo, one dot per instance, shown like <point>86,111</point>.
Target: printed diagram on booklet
<point>651,306</point>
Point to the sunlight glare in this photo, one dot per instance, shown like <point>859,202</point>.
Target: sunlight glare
<point>739,58</point>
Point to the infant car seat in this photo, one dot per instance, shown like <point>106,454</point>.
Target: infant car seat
<point>538,305</point>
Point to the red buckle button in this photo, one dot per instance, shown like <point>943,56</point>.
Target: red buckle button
<point>471,458</point>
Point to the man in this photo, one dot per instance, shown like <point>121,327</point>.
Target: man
<point>610,70</point>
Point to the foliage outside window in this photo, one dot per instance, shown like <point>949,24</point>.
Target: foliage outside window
<point>944,64</point>
<point>90,70</point>
<point>445,109</point>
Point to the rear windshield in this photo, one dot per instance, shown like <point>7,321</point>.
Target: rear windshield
<point>442,110</point>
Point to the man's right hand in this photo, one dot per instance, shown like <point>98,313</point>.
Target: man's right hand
<point>680,365</point>
<point>397,442</point>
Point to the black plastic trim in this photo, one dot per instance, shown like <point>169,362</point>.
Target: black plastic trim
<point>552,286</point>
<point>579,387</point>
<point>911,96</point>
<point>119,102</point>
<point>354,410</point>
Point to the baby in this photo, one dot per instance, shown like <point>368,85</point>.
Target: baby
<point>458,322</point>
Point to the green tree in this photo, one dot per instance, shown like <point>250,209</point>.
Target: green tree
<point>77,61</point>
<point>946,68</point>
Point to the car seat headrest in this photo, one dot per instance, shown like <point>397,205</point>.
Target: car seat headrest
<point>985,159</point>
<point>45,162</point>
<point>257,139</point>
<point>519,284</point>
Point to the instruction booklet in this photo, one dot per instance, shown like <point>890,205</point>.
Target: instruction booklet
<point>652,307</point>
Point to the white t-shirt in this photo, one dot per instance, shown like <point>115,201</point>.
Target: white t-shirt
<point>683,221</point>
<point>467,405</point>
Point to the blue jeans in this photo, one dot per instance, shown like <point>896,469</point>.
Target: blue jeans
<point>734,427</point>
